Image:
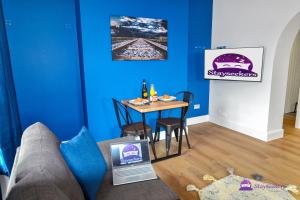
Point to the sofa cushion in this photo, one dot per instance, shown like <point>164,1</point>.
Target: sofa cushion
<point>146,190</point>
<point>41,168</point>
<point>86,162</point>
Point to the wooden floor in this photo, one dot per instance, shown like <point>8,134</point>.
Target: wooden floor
<point>215,148</point>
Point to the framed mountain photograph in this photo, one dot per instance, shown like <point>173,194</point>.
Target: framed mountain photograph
<point>137,38</point>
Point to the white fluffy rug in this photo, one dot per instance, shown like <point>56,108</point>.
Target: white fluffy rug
<point>234,187</point>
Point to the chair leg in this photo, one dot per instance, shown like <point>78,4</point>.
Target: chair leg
<point>187,138</point>
<point>180,140</point>
<point>176,133</point>
<point>168,140</point>
<point>157,133</point>
<point>158,136</point>
<point>152,144</point>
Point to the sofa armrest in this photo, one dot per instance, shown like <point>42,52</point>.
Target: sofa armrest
<point>12,178</point>
<point>104,147</point>
<point>4,183</point>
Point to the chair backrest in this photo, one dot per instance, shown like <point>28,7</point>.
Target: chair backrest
<point>185,96</point>
<point>122,113</point>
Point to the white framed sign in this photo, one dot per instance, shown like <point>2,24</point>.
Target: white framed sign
<point>241,64</point>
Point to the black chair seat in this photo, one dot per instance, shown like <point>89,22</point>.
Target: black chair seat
<point>130,128</point>
<point>170,121</point>
<point>136,129</point>
<point>171,124</point>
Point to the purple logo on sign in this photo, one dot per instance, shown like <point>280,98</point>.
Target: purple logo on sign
<point>245,185</point>
<point>131,153</point>
<point>232,64</point>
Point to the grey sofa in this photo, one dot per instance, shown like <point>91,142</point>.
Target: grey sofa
<point>40,173</point>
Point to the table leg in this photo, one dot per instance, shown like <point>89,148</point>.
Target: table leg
<point>127,115</point>
<point>157,129</point>
<point>181,131</point>
<point>150,136</point>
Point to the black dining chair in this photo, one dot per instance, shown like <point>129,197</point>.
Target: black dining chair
<point>126,124</point>
<point>171,124</point>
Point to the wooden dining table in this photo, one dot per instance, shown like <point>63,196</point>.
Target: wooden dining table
<point>157,106</point>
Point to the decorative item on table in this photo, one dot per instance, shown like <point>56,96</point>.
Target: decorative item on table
<point>138,101</point>
<point>155,97</point>
<point>153,94</point>
<point>144,90</point>
<point>166,98</point>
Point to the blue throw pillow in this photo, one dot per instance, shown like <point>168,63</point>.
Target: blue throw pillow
<point>85,161</point>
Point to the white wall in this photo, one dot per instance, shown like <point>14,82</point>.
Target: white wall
<point>293,84</point>
<point>245,106</point>
<point>280,72</point>
<point>297,124</point>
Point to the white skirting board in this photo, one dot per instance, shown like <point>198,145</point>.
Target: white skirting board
<point>197,120</point>
<point>189,121</point>
<point>261,135</point>
<point>163,134</point>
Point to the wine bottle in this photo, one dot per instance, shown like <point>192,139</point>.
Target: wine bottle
<point>144,90</point>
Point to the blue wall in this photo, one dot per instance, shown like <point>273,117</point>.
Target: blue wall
<point>43,45</point>
<point>200,23</point>
<point>44,50</point>
<point>122,79</point>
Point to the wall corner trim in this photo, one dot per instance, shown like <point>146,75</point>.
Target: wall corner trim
<point>275,134</point>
